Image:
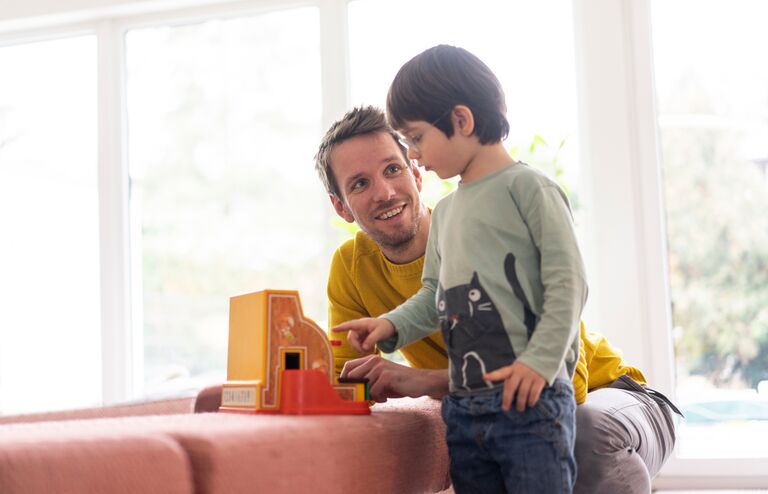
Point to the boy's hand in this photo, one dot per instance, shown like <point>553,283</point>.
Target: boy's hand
<point>366,332</point>
<point>521,380</point>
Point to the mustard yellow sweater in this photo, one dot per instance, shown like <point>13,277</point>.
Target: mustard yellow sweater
<point>363,283</point>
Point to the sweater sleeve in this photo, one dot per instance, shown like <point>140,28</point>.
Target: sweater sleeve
<point>344,304</point>
<point>546,212</point>
<point>581,375</point>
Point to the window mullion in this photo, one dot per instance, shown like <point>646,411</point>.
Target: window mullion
<point>334,69</point>
<point>334,56</point>
<point>117,346</point>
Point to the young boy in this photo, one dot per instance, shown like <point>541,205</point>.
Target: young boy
<point>503,276</point>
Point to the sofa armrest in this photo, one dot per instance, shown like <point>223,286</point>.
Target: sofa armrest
<point>208,399</point>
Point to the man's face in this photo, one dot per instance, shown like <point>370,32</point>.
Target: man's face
<point>378,189</point>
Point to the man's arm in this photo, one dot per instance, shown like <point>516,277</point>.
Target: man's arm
<point>387,379</point>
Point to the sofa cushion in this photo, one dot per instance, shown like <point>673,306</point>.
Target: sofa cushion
<point>73,458</point>
<point>399,448</point>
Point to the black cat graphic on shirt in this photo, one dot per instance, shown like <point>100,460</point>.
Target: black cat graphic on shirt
<point>474,331</point>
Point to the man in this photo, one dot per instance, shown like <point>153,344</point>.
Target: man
<point>624,432</point>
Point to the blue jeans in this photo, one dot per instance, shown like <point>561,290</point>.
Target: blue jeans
<point>496,451</point>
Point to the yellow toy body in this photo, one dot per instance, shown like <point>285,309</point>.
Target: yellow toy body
<point>268,335</point>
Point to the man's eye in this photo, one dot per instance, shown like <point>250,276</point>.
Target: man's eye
<point>358,184</point>
<point>393,169</point>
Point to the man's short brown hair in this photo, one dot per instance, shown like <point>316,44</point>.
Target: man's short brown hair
<point>358,121</point>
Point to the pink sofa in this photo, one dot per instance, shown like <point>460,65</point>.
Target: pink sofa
<point>164,447</point>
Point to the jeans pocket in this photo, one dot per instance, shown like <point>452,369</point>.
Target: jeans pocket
<point>552,400</point>
<point>549,409</point>
<point>562,387</point>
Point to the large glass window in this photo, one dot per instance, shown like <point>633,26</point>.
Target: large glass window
<point>50,340</point>
<point>527,44</point>
<point>224,119</point>
<point>712,90</point>
<point>534,61</point>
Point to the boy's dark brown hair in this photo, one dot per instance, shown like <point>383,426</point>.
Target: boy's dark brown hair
<point>358,121</point>
<point>429,85</point>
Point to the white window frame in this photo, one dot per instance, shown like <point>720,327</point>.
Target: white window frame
<point>120,265</point>
<point>629,289</point>
<point>621,166</point>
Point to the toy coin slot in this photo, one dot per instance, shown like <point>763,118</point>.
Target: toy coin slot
<point>292,358</point>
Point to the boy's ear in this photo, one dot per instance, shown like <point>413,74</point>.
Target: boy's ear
<point>463,120</point>
<point>341,209</point>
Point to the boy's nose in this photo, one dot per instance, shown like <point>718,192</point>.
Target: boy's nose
<point>413,153</point>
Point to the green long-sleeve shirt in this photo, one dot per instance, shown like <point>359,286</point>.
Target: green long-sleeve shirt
<point>503,277</point>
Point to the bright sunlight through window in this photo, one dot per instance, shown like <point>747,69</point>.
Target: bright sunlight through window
<point>50,339</point>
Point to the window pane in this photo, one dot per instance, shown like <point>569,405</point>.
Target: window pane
<point>713,116</point>
<point>224,119</point>
<point>534,61</point>
<point>50,343</point>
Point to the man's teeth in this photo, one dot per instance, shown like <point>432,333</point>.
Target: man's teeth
<point>390,213</point>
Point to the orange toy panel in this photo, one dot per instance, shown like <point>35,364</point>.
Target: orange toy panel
<point>277,354</point>
<point>293,342</point>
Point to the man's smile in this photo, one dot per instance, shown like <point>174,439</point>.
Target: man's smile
<point>390,213</point>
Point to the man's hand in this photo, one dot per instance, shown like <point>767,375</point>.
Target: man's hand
<point>366,332</point>
<point>386,379</point>
<point>521,380</point>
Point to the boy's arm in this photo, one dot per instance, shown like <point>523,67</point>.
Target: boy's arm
<point>416,318</point>
<point>413,320</point>
<point>344,304</point>
<point>549,221</point>
<point>363,334</point>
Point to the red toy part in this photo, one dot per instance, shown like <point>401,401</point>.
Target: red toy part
<point>335,342</point>
<point>308,392</point>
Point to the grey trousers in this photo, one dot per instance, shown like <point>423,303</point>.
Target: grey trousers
<point>622,440</point>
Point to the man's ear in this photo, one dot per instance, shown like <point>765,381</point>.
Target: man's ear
<point>341,209</point>
<point>463,120</point>
<point>416,174</point>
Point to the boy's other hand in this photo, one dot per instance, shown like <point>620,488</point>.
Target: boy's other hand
<point>364,333</point>
<point>520,380</point>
